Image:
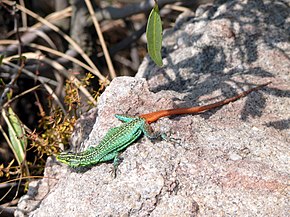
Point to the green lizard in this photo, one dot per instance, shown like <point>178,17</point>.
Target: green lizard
<point>118,138</point>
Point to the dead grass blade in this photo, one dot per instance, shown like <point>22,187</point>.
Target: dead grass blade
<point>43,80</point>
<point>61,69</point>
<point>100,34</point>
<point>65,36</point>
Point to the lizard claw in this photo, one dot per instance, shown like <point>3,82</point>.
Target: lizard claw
<point>169,138</point>
<point>113,172</point>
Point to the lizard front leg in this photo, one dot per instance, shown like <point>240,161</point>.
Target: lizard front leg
<point>116,161</point>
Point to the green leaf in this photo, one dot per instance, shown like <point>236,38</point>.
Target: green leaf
<point>21,58</point>
<point>154,36</point>
<point>1,59</point>
<point>18,140</point>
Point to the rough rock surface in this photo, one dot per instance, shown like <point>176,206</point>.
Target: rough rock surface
<point>232,161</point>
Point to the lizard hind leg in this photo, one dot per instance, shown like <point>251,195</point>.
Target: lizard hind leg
<point>149,133</point>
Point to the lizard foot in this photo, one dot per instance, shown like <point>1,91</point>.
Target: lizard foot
<point>116,163</point>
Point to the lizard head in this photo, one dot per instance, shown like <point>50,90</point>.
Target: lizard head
<point>68,158</point>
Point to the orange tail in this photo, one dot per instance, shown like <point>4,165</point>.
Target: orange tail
<point>154,116</point>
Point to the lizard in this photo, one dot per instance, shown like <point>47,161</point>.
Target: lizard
<point>119,138</point>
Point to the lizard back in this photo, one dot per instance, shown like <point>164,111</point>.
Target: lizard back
<point>116,139</point>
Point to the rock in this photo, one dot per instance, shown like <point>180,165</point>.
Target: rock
<point>231,161</point>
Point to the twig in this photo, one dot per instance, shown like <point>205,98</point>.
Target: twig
<point>42,80</point>
<point>65,57</point>
<point>11,83</point>
<point>127,41</point>
<point>62,70</point>
<point>23,15</point>
<point>30,35</point>
<point>65,36</point>
<point>20,60</point>
<point>114,13</point>
<point>103,43</point>
<point>16,29</point>
<point>7,211</point>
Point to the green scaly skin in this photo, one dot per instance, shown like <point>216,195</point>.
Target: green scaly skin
<point>116,139</point>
